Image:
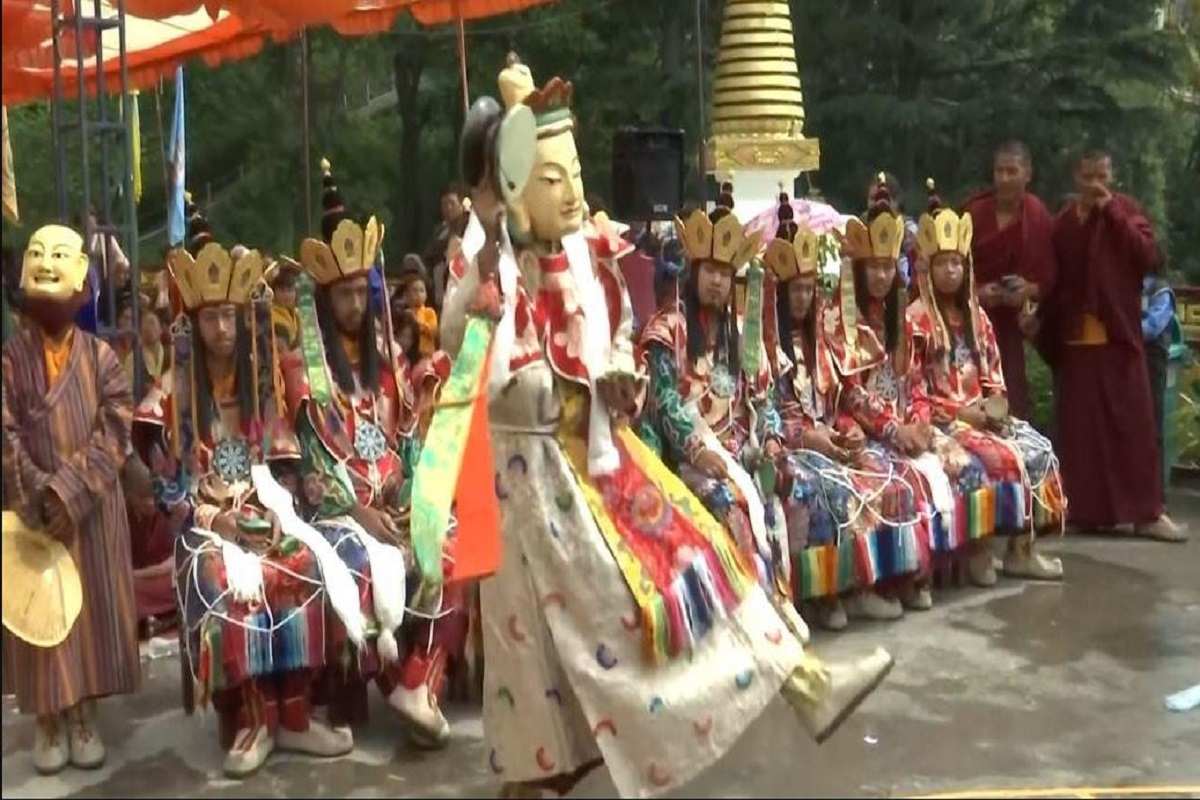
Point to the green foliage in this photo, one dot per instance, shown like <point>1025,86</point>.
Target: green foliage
<point>919,87</point>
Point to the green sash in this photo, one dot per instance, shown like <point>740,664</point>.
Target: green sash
<point>311,346</point>
<point>436,478</point>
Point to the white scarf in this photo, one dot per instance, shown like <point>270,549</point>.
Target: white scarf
<point>339,583</point>
<point>603,457</point>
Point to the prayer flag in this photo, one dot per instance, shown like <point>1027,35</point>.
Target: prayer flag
<point>176,155</point>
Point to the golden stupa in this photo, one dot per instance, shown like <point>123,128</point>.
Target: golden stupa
<point>758,108</point>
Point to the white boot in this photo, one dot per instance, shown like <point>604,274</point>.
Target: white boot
<point>50,748</point>
<point>87,751</point>
<point>823,705</point>
<point>916,597</point>
<point>872,605</point>
<point>1163,529</point>
<point>831,614</point>
<point>419,708</point>
<point>251,747</point>
<point>981,569</point>
<point>320,740</point>
<point>1022,561</point>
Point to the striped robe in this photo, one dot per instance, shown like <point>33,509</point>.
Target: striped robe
<point>73,438</point>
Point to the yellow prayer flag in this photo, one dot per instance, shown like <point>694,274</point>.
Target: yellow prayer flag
<point>135,132</point>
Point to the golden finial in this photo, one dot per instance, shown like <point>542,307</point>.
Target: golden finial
<point>881,177</point>
<point>929,184</point>
<point>326,167</point>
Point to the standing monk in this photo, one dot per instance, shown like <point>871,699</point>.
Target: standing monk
<point>1013,255</point>
<point>1091,335</point>
<point>67,409</point>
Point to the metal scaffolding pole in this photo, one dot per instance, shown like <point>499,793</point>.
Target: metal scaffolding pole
<point>97,127</point>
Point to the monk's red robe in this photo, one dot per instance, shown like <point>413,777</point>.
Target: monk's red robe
<point>1024,247</point>
<point>1091,335</point>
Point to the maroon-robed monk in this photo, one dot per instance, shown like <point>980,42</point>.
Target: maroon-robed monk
<point>1091,335</point>
<point>1013,254</point>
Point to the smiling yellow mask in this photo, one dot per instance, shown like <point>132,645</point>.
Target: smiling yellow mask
<point>55,265</point>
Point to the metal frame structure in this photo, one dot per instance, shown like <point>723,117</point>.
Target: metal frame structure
<point>116,211</point>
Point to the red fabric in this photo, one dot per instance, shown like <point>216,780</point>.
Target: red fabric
<point>154,591</point>
<point>1105,415</point>
<point>1101,262</point>
<point>1024,248</point>
<point>161,9</point>
<point>228,39</point>
<point>24,26</point>
<point>151,541</point>
<point>1105,437</point>
<point>438,12</point>
<point>638,271</point>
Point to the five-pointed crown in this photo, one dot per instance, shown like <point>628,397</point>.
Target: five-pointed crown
<point>348,249</point>
<point>718,237</point>
<point>793,251</point>
<point>941,230</point>
<point>884,235</point>
<point>209,274</point>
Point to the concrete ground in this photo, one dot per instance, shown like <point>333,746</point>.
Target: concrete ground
<point>1024,686</point>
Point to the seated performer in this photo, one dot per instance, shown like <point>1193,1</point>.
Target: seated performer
<point>710,414</point>
<point>959,387</point>
<point>66,406</point>
<point>351,395</point>
<point>251,589</point>
<point>868,339</point>
<point>851,519</point>
<point>622,627</point>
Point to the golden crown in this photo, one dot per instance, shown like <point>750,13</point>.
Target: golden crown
<point>213,276</point>
<point>944,231</point>
<point>725,242</point>
<point>788,260</point>
<point>351,250</point>
<point>881,239</point>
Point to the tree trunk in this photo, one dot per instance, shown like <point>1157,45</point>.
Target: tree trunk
<point>407,65</point>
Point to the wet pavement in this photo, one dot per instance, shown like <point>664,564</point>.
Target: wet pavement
<point>1023,686</point>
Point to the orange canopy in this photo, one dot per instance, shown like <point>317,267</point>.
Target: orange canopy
<point>161,34</point>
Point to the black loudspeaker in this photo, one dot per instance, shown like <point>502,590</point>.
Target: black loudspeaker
<point>647,173</point>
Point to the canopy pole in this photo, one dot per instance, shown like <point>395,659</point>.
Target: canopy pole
<point>700,96</point>
<point>462,57</point>
<point>306,145</point>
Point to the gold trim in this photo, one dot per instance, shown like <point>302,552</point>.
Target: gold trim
<point>751,24</point>
<point>759,67</point>
<point>762,53</point>
<point>792,116</point>
<point>770,127</point>
<point>725,153</point>
<point>736,9</point>
<point>774,81</point>
<point>776,38</point>
<point>785,96</point>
